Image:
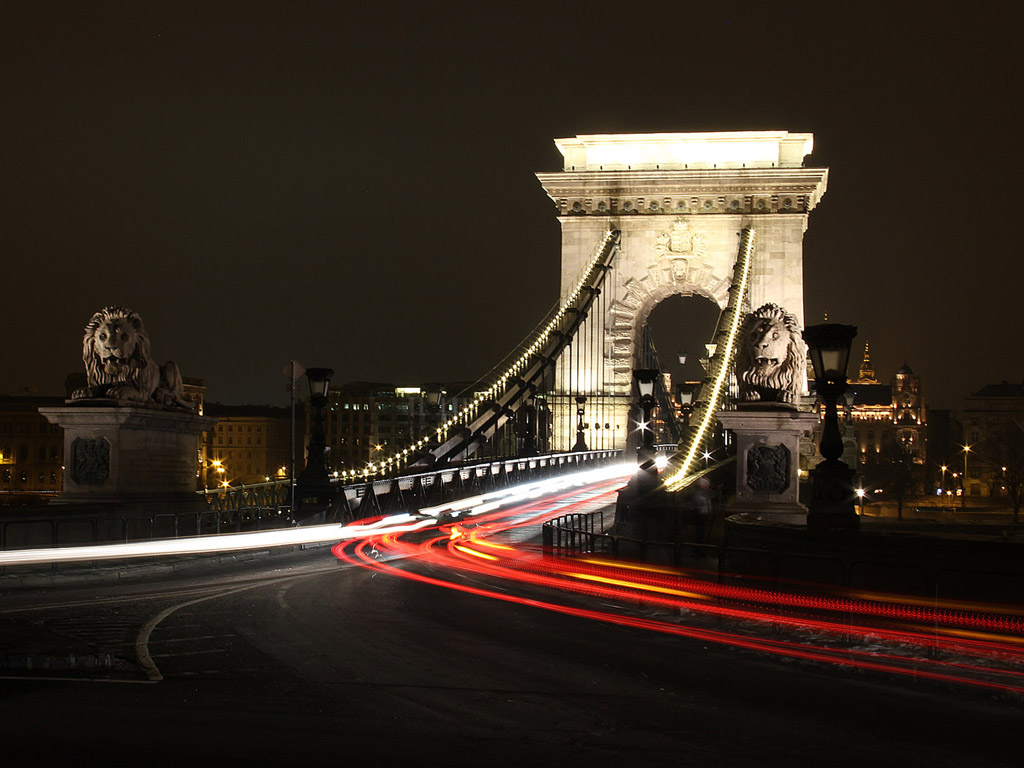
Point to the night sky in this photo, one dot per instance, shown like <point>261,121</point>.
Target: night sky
<point>352,185</point>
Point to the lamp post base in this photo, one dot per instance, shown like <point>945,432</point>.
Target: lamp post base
<point>313,497</point>
<point>832,499</point>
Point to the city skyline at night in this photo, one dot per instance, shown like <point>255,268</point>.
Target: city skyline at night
<point>346,190</point>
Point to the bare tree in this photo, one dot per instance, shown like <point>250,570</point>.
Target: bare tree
<point>894,471</point>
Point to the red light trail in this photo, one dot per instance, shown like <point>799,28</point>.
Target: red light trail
<point>974,644</point>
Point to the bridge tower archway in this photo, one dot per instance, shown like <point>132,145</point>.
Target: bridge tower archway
<point>681,201</point>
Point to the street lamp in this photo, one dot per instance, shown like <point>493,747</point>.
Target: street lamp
<point>581,426</point>
<point>526,427</point>
<point>433,394</point>
<point>832,496</point>
<point>963,496</point>
<point>217,466</point>
<point>314,485</point>
<point>942,482</point>
<point>645,379</point>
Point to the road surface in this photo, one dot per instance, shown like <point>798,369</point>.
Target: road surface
<point>302,657</point>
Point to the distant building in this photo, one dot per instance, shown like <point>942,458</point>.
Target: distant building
<point>992,408</point>
<point>31,448</point>
<point>367,420</point>
<point>249,444</point>
<point>877,416</point>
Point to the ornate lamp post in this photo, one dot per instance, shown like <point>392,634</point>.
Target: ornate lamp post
<point>832,495</point>
<point>314,486</point>
<point>526,427</point>
<point>433,394</point>
<point>543,417</point>
<point>648,473</point>
<point>581,426</point>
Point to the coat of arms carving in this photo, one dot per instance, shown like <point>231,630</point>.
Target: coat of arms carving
<point>681,243</point>
<point>90,460</point>
<point>768,468</point>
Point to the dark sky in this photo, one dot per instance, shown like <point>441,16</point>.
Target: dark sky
<point>352,185</point>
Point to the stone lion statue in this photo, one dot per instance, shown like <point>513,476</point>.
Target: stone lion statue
<point>118,366</point>
<point>770,359</point>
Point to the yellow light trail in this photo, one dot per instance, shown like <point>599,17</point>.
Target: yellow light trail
<point>634,585</point>
<point>473,552</point>
<point>631,566</point>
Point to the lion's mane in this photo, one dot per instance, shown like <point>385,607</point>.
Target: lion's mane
<point>137,370</point>
<point>129,373</point>
<point>781,383</point>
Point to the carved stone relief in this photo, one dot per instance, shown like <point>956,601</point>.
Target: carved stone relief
<point>90,463</point>
<point>768,468</point>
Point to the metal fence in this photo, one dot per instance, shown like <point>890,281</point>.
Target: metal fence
<point>265,506</point>
<point>993,574</point>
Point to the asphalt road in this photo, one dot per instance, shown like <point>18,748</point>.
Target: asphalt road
<point>299,658</point>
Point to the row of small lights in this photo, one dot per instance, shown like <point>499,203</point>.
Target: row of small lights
<point>678,480</point>
<point>469,410</point>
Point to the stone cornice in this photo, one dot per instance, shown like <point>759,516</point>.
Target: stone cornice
<point>128,417</point>
<point>738,190</point>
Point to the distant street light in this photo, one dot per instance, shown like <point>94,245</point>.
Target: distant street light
<point>581,425</point>
<point>963,496</point>
<point>648,472</point>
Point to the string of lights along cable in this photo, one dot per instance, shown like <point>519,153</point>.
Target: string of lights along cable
<point>538,354</point>
<point>721,362</point>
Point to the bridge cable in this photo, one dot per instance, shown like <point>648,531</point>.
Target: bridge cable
<point>720,367</point>
<point>477,421</point>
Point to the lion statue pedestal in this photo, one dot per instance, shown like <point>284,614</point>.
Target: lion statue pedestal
<point>130,437</point>
<point>770,371</point>
<point>768,459</point>
<point>128,453</point>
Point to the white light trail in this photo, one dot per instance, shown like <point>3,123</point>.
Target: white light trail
<point>487,502</point>
<point>234,542</point>
<point>227,542</point>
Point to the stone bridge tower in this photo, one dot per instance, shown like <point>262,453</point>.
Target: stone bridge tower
<point>680,201</point>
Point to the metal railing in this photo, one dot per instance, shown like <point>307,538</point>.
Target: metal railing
<point>993,576</point>
<point>442,485</point>
<point>264,506</point>
<point>257,495</point>
<point>593,533</point>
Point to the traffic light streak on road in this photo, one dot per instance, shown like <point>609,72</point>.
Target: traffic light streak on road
<point>976,644</point>
<point>367,527</point>
<point>980,645</point>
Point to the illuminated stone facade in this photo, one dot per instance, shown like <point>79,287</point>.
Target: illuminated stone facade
<point>31,448</point>
<point>249,444</point>
<point>880,416</point>
<point>680,201</point>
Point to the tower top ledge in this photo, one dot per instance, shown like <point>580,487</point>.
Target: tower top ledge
<point>676,151</point>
